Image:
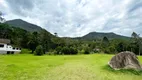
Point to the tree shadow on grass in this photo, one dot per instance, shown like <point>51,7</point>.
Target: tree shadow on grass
<point>125,71</point>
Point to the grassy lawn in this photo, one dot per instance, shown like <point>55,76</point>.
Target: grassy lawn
<point>75,67</point>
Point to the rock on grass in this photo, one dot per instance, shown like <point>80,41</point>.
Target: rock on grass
<point>125,60</point>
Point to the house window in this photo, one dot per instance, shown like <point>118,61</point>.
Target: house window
<point>1,45</point>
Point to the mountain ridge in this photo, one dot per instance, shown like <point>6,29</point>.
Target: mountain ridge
<point>24,25</point>
<point>100,35</point>
<point>90,36</point>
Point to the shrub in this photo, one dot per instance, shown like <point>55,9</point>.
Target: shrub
<point>96,50</point>
<point>106,50</point>
<point>55,52</point>
<point>25,51</point>
<point>58,50</point>
<point>81,52</point>
<point>73,51</point>
<point>109,50</point>
<point>39,50</point>
<point>86,52</point>
<point>66,50</point>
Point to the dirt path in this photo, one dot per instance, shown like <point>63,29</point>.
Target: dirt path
<point>75,70</point>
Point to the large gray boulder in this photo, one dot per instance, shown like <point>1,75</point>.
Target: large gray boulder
<point>125,60</point>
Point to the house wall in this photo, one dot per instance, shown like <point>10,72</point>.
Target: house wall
<point>3,49</point>
<point>8,48</point>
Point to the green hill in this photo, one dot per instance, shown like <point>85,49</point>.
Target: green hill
<point>24,25</point>
<point>100,35</point>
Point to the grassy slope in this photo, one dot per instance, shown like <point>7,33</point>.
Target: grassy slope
<point>77,67</point>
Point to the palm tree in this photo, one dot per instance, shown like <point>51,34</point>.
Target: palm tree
<point>55,34</point>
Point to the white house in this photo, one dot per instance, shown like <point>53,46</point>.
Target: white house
<point>5,48</point>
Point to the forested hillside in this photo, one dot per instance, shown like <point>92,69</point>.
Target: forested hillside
<point>43,40</point>
<point>25,39</point>
<point>100,35</point>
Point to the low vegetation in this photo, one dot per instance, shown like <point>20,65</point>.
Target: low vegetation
<point>66,67</point>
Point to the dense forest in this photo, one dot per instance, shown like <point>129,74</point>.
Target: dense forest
<point>56,45</point>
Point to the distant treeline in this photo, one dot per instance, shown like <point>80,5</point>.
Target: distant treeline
<point>56,45</point>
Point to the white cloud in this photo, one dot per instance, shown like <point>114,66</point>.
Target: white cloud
<point>78,17</point>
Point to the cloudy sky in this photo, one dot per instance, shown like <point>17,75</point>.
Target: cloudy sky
<point>78,17</point>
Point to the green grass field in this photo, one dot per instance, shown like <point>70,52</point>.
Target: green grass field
<point>68,67</point>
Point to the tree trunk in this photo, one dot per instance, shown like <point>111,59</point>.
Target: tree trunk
<point>139,51</point>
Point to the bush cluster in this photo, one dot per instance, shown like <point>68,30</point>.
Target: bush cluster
<point>39,50</point>
<point>66,50</point>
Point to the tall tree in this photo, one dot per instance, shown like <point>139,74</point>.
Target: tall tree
<point>5,31</point>
<point>137,41</point>
<point>134,35</point>
<point>2,20</point>
<point>45,40</point>
<point>56,35</point>
<point>105,42</point>
<point>24,40</point>
<point>33,42</point>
